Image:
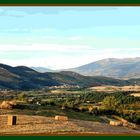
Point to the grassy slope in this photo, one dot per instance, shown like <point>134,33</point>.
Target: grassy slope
<point>25,78</point>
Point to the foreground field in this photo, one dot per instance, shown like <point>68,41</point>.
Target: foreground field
<point>90,111</point>
<point>29,125</point>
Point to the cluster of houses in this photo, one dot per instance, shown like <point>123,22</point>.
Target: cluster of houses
<point>64,86</point>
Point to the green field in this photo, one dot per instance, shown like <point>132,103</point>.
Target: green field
<point>81,104</point>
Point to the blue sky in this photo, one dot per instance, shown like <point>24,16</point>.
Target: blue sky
<point>66,37</point>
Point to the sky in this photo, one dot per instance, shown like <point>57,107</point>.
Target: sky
<point>67,37</point>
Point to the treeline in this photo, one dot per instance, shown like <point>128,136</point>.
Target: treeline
<point>93,102</point>
<point>121,96</point>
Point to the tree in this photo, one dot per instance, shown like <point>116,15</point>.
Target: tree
<point>110,102</point>
<point>21,96</point>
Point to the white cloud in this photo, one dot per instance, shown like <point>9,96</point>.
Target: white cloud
<point>61,56</point>
<point>44,47</point>
<point>59,62</point>
<point>75,38</point>
<point>64,61</point>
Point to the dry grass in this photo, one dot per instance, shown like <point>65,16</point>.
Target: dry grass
<point>116,88</point>
<point>38,124</point>
<point>136,94</point>
<point>44,125</point>
<point>7,104</point>
<point>61,91</point>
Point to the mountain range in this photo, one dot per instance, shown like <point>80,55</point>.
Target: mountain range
<point>25,78</point>
<point>110,71</point>
<point>127,68</point>
<point>112,67</point>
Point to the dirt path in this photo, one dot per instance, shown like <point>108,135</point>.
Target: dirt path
<point>45,125</point>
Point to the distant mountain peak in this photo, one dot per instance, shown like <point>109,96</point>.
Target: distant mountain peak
<point>122,68</point>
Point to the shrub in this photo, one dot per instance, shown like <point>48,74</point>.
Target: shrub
<point>110,103</point>
<point>21,96</point>
<point>83,108</point>
<point>50,102</point>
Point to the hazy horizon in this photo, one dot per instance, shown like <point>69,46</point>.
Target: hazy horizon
<point>67,37</point>
<point>71,67</point>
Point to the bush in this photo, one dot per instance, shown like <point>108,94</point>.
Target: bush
<point>105,112</point>
<point>110,103</point>
<point>83,108</point>
<point>50,102</point>
<point>21,96</point>
<point>131,117</point>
